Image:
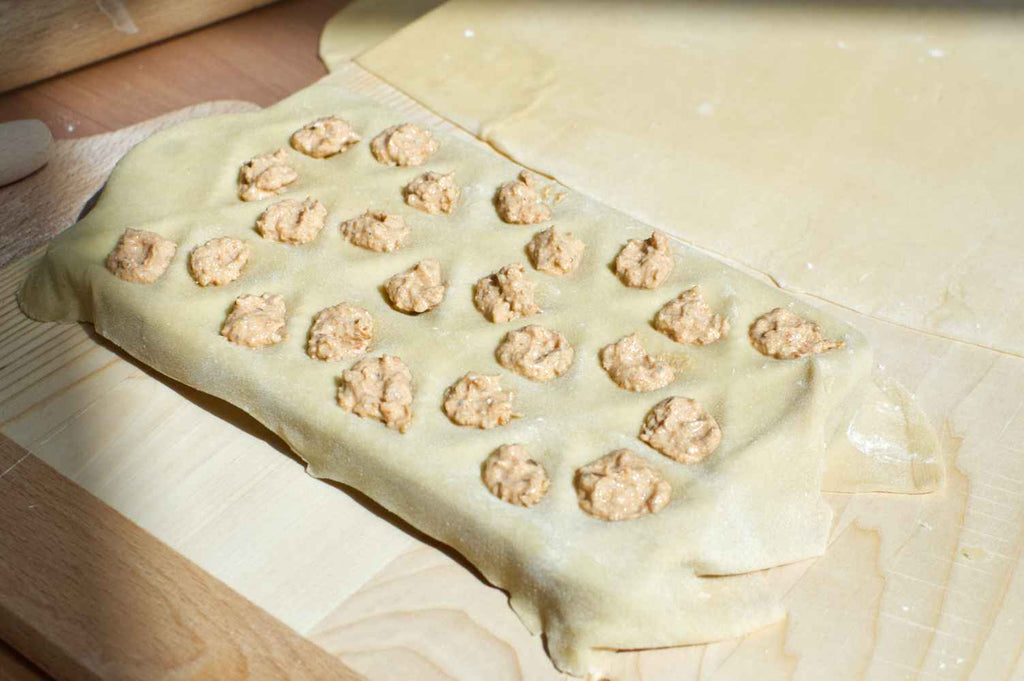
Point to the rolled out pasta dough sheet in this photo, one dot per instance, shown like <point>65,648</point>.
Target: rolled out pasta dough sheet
<point>588,584</point>
<point>867,155</point>
<point>361,24</point>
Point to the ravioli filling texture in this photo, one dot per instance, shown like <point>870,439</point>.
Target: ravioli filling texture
<point>383,423</point>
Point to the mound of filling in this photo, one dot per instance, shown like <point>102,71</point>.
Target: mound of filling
<point>681,429</point>
<point>324,137</point>
<point>404,145</point>
<point>478,400</point>
<point>786,335</point>
<point>265,175</point>
<point>505,295</point>
<point>340,332</point>
<point>256,321</point>
<point>374,231</point>
<point>555,252</point>
<point>218,261</point>
<point>418,289</point>
<point>140,256</point>
<point>292,222</point>
<point>512,476</point>
<point>688,319</point>
<point>519,202</point>
<point>621,486</point>
<point>632,369</point>
<point>432,193</point>
<point>378,388</point>
<point>645,264</point>
<point>535,352</point>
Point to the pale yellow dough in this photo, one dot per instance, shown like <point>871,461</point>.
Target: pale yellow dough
<point>361,24</point>
<point>754,503</point>
<point>867,153</point>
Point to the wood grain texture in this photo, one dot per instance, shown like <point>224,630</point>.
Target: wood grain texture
<point>14,666</point>
<point>129,607</point>
<point>261,56</point>
<point>912,587</point>
<point>45,37</point>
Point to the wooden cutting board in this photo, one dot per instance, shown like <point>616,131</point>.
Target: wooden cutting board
<point>911,587</point>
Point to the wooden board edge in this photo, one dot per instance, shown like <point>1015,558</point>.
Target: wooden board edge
<point>87,594</point>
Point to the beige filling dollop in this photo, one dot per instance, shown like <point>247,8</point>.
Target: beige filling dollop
<point>645,264</point>
<point>785,335</point>
<point>432,193</point>
<point>535,352</point>
<point>140,256</point>
<point>218,261</point>
<point>688,319</point>
<point>292,222</point>
<point>379,388</point>
<point>479,400</point>
<point>621,486</point>
<point>512,476</point>
<point>419,289</point>
<point>629,365</point>
<point>681,429</point>
<point>256,321</point>
<point>265,175</point>
<point>555,252</point>
<point>339,332</point>
<point>324,137</point>
<point>404,145</point>
<point>519,203</point>
<point>505,295</point>
<point>376,231</point>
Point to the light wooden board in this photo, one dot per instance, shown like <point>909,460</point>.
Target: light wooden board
<point>912,587</point>
<point>129,607</point>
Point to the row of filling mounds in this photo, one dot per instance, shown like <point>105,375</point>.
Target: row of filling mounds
<point>618,486</point>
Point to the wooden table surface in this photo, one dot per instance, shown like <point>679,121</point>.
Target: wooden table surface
<point>259,57</point>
